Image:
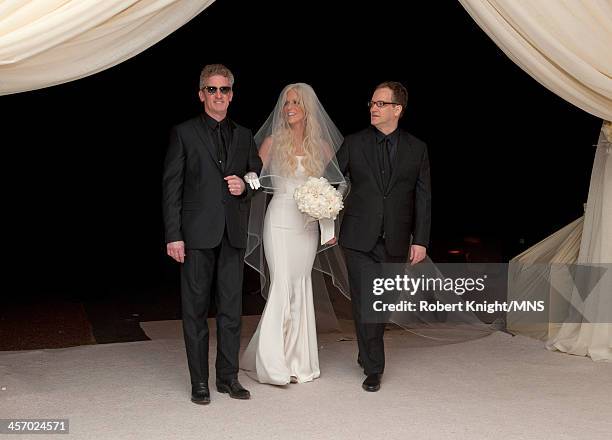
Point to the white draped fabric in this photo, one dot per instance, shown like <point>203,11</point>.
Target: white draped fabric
<point>563,44</point>
<point>586,241</point>
<point>529,280</point>
<point>49,42</point>
<point>594,338</point>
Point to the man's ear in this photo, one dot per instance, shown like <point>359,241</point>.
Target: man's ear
<point>201,96</point>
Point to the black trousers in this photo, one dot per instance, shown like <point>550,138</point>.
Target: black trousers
<point>369,335</point>
<point>224,264</point>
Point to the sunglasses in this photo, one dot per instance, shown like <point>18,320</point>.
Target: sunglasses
<point>211,90</point>
<point>381,104</point>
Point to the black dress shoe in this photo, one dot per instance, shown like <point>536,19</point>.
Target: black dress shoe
<point>233,387</point>
<point>372,382</point>
<point>200,393</point>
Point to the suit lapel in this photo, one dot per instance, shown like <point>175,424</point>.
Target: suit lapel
<point>371,156</point>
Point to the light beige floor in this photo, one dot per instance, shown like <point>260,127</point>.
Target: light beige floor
<point>497,387</point>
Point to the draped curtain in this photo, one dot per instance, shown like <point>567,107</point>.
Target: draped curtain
<point>565,45</point>
<point>49,42</point>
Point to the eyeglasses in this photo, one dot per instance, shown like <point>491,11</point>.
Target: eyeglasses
<point>381,104</point>
<point>211,90</point>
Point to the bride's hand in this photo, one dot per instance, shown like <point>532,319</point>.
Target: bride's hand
<point>252,179</point>
<point>332,241</point>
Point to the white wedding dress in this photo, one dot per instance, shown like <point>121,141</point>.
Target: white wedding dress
<point>285,342</point>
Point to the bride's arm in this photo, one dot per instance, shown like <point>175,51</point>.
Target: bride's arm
<point>328,226</point>
<point>252,177</point>
<point>330,155</point>
<point>264,150</point>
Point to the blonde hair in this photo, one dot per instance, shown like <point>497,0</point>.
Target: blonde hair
<point>215,69</point>
<point>313,143</point>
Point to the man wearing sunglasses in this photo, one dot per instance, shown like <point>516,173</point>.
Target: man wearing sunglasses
<point>387,212</point>
<point>205,215</point>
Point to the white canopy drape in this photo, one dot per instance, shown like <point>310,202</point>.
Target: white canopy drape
<point>49,42</point>
<point>580,326</point>
<point>565,45</point>
<point>594,336</point>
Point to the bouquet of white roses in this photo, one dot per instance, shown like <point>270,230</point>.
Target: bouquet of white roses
<point>318,199</point>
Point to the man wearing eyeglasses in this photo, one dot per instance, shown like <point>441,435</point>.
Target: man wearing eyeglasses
<point>205,217</point>
<point>388,210</point>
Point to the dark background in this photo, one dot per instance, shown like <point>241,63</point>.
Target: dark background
<point>82,161</point>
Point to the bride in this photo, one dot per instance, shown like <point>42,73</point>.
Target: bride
<point>297,141</point>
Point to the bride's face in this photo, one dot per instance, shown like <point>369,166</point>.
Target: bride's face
<point>293,110</point>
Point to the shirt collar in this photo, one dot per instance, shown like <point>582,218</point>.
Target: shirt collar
<point>212,122</point>
<point>380,136</point>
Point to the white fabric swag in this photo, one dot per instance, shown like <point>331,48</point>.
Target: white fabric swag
<point>49,42</point>
<point>586,241</point>
<point>564,44</point>
<point>593,337</point>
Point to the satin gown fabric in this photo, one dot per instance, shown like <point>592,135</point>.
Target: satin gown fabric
<point>285,342</point>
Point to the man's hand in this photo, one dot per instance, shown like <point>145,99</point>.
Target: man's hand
<point>417,254</point>
<point>235,185</point>
<point>176,250</point>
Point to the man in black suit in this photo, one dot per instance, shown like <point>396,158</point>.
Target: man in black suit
<point>388,210</point>
<point>205,215</point>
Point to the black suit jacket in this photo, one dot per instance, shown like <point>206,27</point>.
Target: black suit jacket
<point>197,204</point>
<point>401,210</point>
